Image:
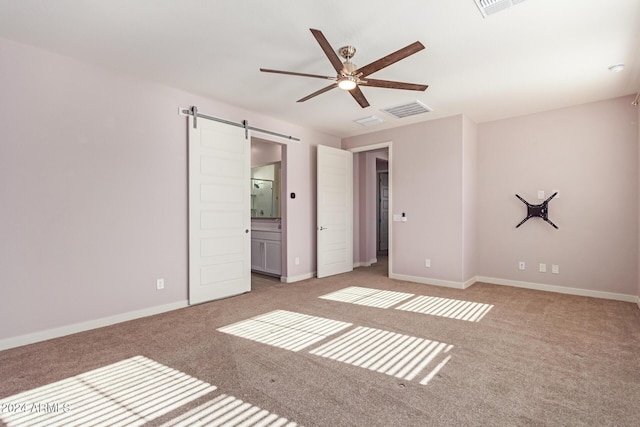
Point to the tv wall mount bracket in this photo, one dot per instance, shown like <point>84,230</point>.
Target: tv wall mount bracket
<point>541,210</point>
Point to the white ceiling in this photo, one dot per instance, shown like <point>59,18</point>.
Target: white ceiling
<point>535,56</point>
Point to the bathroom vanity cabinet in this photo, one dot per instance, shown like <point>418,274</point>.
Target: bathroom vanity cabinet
<point>266,251</point>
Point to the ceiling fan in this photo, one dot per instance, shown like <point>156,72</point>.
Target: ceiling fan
<point>350,77</point>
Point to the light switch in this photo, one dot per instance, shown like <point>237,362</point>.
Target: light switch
<point>541,194</point>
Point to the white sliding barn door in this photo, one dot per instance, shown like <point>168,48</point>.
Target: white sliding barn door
<point>334,211</point>
<point>219,211</point>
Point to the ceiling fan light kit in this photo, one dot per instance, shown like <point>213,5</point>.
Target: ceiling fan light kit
<point>347,83</point>
<point>349,77</point>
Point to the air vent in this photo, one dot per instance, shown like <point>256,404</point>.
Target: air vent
<point>489,7</point>
<point>407,110</point>
<point>368,121</point>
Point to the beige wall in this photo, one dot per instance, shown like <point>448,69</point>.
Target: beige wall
<point>94,194</point>
<point>589,153</point>
<point>93,187</point>
<point>469,198</point>
<point>457,183</point>
<point>427,185</point>
<point>264,152</point>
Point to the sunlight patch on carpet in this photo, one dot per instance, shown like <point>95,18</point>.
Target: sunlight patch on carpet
<point>131,392</point>
<point>402,356</point>
<point>367,296</point>
<point>445,307</point>
<point>285,329</point>
<point>227,410</point>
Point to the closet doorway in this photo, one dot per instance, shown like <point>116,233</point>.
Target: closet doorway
<point>373,233</point>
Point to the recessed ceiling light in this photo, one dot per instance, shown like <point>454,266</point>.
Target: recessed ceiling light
<point>616,68</point>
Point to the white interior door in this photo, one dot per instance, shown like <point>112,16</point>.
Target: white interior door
<point>219,211</point>
<point>334,211</point>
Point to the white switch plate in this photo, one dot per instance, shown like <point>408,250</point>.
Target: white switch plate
<point>555,269</point>
<point>521,265</point>
<point>427,263</point>
<point>541,194</point>
<point>297,260</point>
<point>543,268</point>
<point>160,284</point>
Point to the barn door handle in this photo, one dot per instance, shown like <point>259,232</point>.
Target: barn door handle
<point>322,228</point>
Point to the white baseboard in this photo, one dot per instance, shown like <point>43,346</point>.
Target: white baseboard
<point>299,278</point>
<point>638,301</point>
<point>365,263</point>
<point>88,325</point>
<point>560,289</point>
<point>470,282</point>
<point>429,281</point>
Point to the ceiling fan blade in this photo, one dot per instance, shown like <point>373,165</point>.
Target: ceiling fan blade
<point>392,58</point>
<point>328,50</point>
<point>318,92</point>
<point>359,97</point>
<point>393,85</point>
<point>293,73</point>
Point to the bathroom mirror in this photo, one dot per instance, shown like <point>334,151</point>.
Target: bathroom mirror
<point>265,191</point>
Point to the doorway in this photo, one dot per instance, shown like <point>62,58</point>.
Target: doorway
<point>383,212</point>
<point>268,224</point>
<point>373,247</point>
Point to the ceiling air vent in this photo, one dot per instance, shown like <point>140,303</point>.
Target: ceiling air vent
<point>368,121</point>
<point>407,110</point>
<point>489,7</point>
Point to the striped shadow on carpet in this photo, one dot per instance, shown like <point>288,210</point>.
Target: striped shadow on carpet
<point>390,353</point>
<point>435,306</point>
<point>285,329</point>
<point>131,392</point>
<point>445,307</point>
<point>229,411</point>
<point>367,296</point>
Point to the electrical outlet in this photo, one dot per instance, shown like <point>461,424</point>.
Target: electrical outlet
<point>543,268</point>
<point>555,269</point>
<point>521,265</point>
<point>160,284</point>
<point>427,263</point>
<point>297,261</point>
